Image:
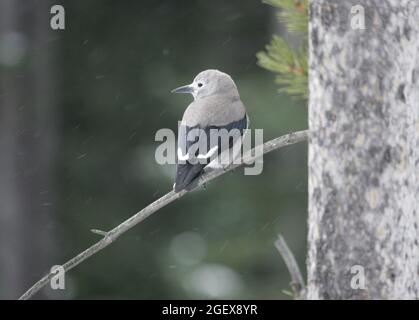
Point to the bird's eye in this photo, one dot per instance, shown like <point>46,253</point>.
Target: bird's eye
<point>200,84</point>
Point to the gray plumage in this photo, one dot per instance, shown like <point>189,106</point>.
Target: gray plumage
<point>217,102</point>
<point>216,105</point>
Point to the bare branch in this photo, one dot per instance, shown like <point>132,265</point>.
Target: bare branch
<point>111,236</point>
<point>297,282</point>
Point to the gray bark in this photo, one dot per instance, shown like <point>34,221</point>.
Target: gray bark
<point>27,144</point>
<point>364,150</point>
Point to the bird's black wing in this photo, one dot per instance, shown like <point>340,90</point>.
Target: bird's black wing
<point>190,144</point>
<point>196,142</point>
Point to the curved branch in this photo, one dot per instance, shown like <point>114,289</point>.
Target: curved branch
<point>114,234</point>
<point>297,282</point>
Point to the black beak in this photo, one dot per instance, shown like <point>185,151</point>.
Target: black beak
<point>185,89</point>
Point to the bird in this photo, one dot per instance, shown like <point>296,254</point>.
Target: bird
<point>212,129</point>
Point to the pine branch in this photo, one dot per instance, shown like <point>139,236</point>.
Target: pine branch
<point>111,236</point>
<point>293,14</point>
<point>297,282</point>
<point>289,65</point>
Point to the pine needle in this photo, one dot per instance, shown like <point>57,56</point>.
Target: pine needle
<point>289,65</point>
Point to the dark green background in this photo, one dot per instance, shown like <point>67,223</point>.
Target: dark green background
<point>114,67</point>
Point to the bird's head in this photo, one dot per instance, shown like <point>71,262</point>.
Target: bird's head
<point>209,82</point>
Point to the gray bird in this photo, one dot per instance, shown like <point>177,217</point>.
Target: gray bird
<point>216,108</point>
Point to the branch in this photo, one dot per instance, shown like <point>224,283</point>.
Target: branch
<point>297,282</point>
<point>111,236</point>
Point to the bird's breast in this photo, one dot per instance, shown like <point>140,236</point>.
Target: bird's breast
<point>217,111</point>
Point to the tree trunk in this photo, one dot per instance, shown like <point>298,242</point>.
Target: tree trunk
<point>27,144</point>
<point>364,150</point>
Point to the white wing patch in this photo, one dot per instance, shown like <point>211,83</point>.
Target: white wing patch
<point>181,156</point>
<point>208,154</point>
<point>185,157</point>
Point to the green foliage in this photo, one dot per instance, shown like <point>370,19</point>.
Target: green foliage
<point>293,14</point>
<point>289,65</point>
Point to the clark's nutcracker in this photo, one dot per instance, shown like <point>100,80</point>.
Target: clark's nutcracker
<point>212,128</point>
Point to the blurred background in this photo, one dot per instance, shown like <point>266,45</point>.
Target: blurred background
<point>79,109</point>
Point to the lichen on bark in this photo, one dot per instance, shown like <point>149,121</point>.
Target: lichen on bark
<point>364,150</point>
